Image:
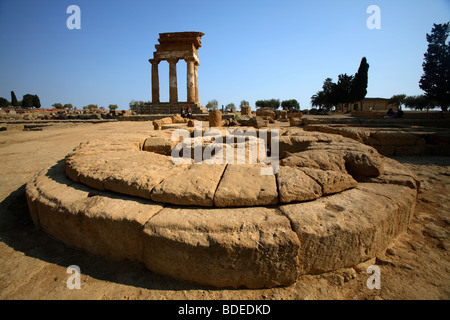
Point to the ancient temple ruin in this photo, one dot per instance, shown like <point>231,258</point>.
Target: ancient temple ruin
<point>172,48</point>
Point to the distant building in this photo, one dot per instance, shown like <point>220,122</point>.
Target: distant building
<point>373,104</point>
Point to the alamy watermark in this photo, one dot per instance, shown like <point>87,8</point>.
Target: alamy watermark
<point>74,281</point>
<point>374,280</point>
<point>74,20</point>
<point>238,146</point>
<point>374,20</point>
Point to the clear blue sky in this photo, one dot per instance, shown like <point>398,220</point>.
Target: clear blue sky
<point>252,49</point>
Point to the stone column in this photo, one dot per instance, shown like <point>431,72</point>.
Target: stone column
<point>190,79</point>
<point>155,80</point>
<point>173,80</point>
<point>196,81</point>
<point>215,118</point>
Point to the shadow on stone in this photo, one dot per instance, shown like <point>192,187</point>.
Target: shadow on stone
<point>18,231</point>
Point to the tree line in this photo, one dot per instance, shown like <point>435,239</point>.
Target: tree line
<point>28,101</point>
<point>90,107</point>
<point>33,101</point>
<point>435,81</point>
<point>418,102</point>
<point>269,103</point>
<point>348,89</point>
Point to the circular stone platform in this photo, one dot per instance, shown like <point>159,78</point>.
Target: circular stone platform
<point>333,203</point>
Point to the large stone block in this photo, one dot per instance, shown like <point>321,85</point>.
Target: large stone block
<point>244,185</point>
<point>251,247</point>
<point>246,111</point>
<point>345,229</point>
<point>296,185</point>
<point>161,145</point>
<point>98,222</point>
<point>193,186</point>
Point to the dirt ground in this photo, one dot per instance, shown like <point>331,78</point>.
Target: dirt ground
<point>34,266</point>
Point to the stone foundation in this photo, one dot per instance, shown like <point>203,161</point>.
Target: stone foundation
<point>333,203</point>
<point>171,108</point>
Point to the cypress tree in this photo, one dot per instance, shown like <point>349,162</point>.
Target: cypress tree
<point>36,101</point>
<point>14,101</point>
<point>27,101</point>
<point>435,80</point>
<point>360,80</point>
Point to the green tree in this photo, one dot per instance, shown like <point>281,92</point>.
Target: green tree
<point>419,102</point>
<point>57,105</point>
<point>358,89</point>
<point>68,106</point>
<point>92,107</point>
<point>435,80</point>
<point>260,103</point>
<point>272,103</point>
<point>290,104</point>
<point>330,94</point>
<point>27,101</point>
<point>113,107</point>
<point>4,103</point>
<point>136,106</point>
<point>244,103</point>
<point>230,107</point>
<point>318,99</point>
<point>14,101</point>
<point>212,105</point>
<point>397,100</point>
<point>36,101</point>
<point>343,89</point>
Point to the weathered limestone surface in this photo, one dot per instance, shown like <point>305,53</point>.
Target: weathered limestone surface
<point>295,121</point>
<point>333,162</point>
<point>140,181</point>
<point>395,174</point>
<point>266,112</point>
<point>193,186</point>
<point>295,185</point>
<point>177,118</point>
<point>157,124</point>
<point>98,222</point>
<point>345,229</point>
<point>243,185</point>
<point>294,115</point>
<point>127,171</point>
<point>251,247</point>
<point>246,111</point>
<point>369,201</point>
<point>294,144</point>
<point>316,159</point>
<point>248,245</point>
<point>215,118</point>
<point>360,160</point>
<point>391,141</point>
<point>331,181</point>
<point>161,145</point>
